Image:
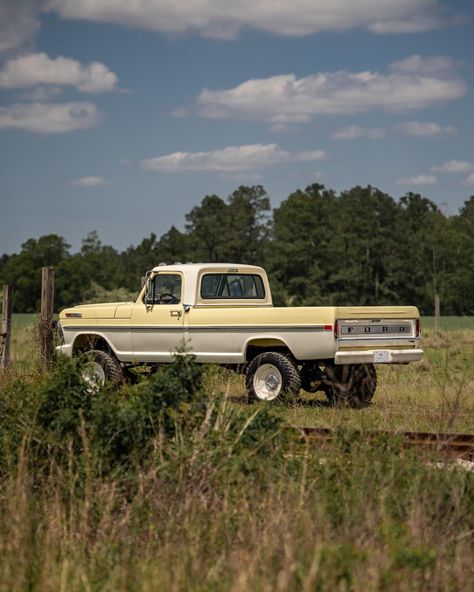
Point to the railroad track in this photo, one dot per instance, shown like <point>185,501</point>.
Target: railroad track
<point>452,445</point>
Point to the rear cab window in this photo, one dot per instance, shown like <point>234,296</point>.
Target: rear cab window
<point>232,286</point>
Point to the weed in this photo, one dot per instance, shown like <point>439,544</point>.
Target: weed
<point>175,484</point>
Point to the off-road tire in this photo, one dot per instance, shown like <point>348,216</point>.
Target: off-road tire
<point>285,368</point>
<point>113,373</point>
<point>311,378</point>
<point>351,385</point>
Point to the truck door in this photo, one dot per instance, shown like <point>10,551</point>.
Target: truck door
<point>157,326</point>
<point>219,327</point>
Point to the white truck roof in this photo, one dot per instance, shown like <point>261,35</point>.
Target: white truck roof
<point>193,271</point>
<point>207,266</point>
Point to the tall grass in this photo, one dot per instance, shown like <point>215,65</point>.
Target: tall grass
<point>175,484</point>
<point>434,394</point>
<point>449,323</point>
<point>283,533</point>
<point>170,486</point>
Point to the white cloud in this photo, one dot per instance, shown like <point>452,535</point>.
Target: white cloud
<point>224,20</point>
<point>39,68</point>
<point>352,132</point>
<point>49,117</point>
<point>454,166</point>
<point>287,99</point>
<point>469,181</point>
<point>427,65</point>
<point>425,128</point>
<point>230,159</point>
<point>89,182</point>
<point>418,180</point>
<point>18,23</point>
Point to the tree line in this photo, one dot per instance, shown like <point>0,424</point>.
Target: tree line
<point>357,247</point>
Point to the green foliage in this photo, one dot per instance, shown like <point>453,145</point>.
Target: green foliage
<point>126,426</point>
<point>97,294</point>
<point>64,401</point>
<point>23,270</point>
<point>337,566</point>
<point>359,247</point>
<point>235,231</point>
<point>169,413</point>
<point>363,248</point>
<point>166,485</point>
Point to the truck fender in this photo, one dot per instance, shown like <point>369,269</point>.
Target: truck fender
<point>259,343</point>
<point>95,340</point>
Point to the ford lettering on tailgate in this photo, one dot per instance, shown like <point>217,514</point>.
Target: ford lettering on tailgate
<point>379,329</point>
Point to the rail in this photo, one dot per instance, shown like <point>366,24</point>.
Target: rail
<point>454,445</point>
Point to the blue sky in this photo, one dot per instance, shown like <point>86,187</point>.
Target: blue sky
<point>120,117</point>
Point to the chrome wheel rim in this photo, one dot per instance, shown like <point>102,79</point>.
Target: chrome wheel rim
<point>93,375</point>
<point>267,382</point>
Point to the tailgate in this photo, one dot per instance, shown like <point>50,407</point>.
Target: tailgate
<point>382,334</point>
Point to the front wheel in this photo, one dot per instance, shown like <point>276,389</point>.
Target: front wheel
<point>271,375</point>
<point>100,367</point>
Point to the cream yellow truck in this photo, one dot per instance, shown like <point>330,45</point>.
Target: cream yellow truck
<point>223,313</point>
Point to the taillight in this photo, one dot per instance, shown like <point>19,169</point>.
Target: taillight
<point>336,328</point>
<point>417,328</point>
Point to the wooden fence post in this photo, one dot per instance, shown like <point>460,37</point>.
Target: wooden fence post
<point>437,315</point>
<point>6,326</point>
<point>46,316</point>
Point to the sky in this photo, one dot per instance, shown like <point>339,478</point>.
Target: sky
<point>121,116</point>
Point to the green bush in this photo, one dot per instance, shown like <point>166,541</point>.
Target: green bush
<point>162,485</point>
<point>169,413</point>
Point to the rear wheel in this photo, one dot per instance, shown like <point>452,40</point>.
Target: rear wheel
<point>271,375</point>
<point>351,385</point>
<point>101,367</point>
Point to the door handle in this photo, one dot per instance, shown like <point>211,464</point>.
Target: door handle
<point>176,313</point>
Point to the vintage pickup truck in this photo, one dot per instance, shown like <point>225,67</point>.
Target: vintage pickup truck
<point>223,313</point>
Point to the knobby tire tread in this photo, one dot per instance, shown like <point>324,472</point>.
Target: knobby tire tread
<point>289,372</point>
<point>352,386</point>
<point>110,364</point>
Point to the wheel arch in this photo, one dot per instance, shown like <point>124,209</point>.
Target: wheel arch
<point>258,345</point>
<point>88,341</point>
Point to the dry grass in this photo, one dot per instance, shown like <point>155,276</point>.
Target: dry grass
<point>360,516</point>
<point>436,394</point>
<point>364,520</point>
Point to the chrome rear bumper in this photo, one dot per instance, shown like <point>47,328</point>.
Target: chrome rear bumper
<point>379,356</point>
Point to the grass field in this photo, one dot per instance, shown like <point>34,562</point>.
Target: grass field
<point>434,394</point>
<point>170,486</point>
<point>449,323</point>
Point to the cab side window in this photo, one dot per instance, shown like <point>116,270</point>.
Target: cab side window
<point>165,288</point>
